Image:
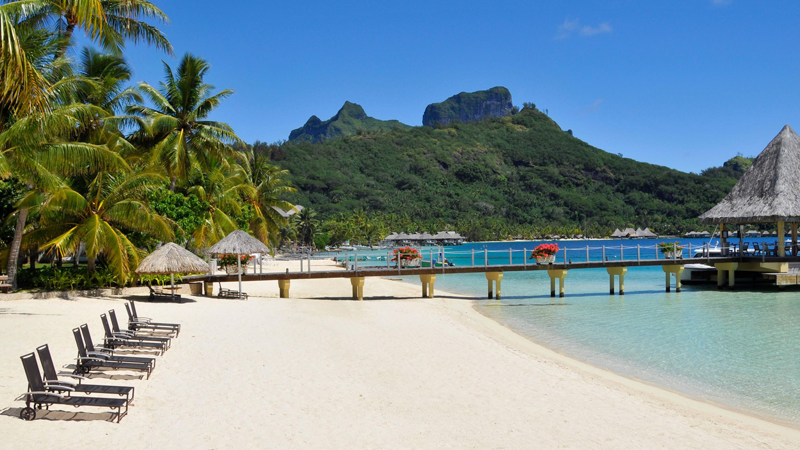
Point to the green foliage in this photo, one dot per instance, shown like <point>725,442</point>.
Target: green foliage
<point>185,210</point>
<point>518,176</point>
<point>10,191</point>
<point>464,106</point>
<point>160,280</point>
<point>321,240</point>
<point>67,278</point>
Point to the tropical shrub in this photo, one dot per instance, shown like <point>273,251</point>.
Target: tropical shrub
<point>665,247</point>
<point>406,253</point>
<point>229,259</point>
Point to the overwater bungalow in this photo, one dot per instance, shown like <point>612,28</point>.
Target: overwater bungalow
<point>768,192</point>
<point>617,234</point>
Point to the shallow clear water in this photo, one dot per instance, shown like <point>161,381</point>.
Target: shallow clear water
<point>739,348</point>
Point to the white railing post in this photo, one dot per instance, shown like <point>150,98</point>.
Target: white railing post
<point>525,257</point>
<point>355,261</point>
<point>587,253</point>
<point>388,260</point>
<point>604,253</point>
<point>473,257</point>
<point>621,253</point>
<point>565,255</point>
<point>510,258</point>
<point>485,257</point>
<point>431,258</point>
<point>638,252</point>
<point>674,251</point>
<point>691,254</point>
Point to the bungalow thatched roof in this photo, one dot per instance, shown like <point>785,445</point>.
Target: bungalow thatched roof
<point>770,189</point>
<point>172,258</point>
<point>238,243</point>
<point>646,233</point>
<point>617,233</point>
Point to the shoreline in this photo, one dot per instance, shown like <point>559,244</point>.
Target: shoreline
<point>392,371</point>
<point>642,385</point>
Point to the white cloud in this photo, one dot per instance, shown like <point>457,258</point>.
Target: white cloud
<point>570,27</point>
<point>600,29</point>
<point>593,107</point>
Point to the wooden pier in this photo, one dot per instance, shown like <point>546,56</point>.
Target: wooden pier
<point>771,268</point>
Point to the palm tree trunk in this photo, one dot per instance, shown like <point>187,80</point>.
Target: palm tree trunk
<point>172,184</point>
<point>90,263</point>
<point>67,38</point>
<point>33,253</point>
<point>13,254</point>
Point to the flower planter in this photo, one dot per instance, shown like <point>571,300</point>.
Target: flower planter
<point>670,255</point>
<point>409,263</point>
<point>233,269</point>
<point>545,259</point>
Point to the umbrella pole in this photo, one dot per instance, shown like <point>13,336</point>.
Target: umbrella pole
<point>172,280</point>
<point>239,265</point>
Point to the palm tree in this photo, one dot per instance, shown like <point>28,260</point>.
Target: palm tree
<point>175,126</point>
<point>113,203</point>
<point>222,186</point>
<point>307,224</point>
<point>271,186</point>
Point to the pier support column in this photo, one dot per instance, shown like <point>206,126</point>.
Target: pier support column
<point>427,285</point>
<point>560,274</point>
<point>794,238</point>
<point>781,240</point>
<point>358,287</point>
<point>283,287</point>
<point>722,268</point>
<point>620,272</point>
<point>495,277</point>
<point>676,269</point>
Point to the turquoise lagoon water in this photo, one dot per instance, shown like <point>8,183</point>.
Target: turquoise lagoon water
<point>737,348</point>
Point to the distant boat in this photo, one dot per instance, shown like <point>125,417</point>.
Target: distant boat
<point>436,263</point>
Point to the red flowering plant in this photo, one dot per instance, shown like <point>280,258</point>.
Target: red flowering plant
<point>229,259</point>
<point>406,253</point>
<point>544,250</point>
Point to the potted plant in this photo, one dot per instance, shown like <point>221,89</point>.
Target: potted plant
<point>545,253</point>
<point>671,250</point>
<point>228,263</point>
<point>407,257</point>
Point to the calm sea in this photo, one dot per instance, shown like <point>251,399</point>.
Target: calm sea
<point>738,348</point>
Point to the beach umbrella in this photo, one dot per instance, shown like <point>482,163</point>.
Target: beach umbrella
<point>238,243</point>
<point>170,259</point>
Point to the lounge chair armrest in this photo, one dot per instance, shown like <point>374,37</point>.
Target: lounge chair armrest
<point>98,355</point>
<point>90,359</point>
<point>66,382</point>
<point>59,387</point>
<point>142,318</point>
<point>121,335</point>
<point>45,393</point>
<point>102,350</point>
<point>138,322</point>
<point>71,375</point>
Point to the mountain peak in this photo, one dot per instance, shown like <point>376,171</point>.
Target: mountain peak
<point>349,120</point>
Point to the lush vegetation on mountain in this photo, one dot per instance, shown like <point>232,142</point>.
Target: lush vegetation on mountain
<point>350,120</point>
<point>512,176</point>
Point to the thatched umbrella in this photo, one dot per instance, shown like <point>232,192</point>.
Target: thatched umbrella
<point>170,259</point>
<point>769,191</point>
<point>238,243</point>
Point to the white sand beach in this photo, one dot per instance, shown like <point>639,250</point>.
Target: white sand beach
<point>321,371</point>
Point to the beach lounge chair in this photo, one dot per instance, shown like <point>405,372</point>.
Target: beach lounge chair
<point>85,363</point>
<point>106,353</point>
<point>112,341</point>
<point>38,396</point>
<point>136,323</point>
<point>159,295</point>
<point>135,334</point>
<point>52,383</point>
<point>756,249</point>
<point>230,293</point>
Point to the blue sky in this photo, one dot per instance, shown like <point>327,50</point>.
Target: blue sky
<point>685,84</point>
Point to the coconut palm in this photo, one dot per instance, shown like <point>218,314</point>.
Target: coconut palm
<point>222,187</point>
<point>112,205</point>
<point>271,187</point>
<point>175,126</point>
<point>306,223</point>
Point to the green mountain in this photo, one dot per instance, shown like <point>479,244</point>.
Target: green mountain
<point>469,107</point>
<point>515,174</point>
<point>350,120</point>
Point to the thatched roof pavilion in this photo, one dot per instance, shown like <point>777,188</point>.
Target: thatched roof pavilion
<point>768,192</point>
<point>172,258</point>
<point>238,243</point>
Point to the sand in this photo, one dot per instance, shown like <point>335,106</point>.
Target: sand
<point>321,371</point>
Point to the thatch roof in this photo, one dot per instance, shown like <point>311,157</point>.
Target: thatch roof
<point>770,189</point>
<point>172,258</point>
<point>646,233</point>
<point>290,212</point>
<point>617,233</point>
<point>239,243</point>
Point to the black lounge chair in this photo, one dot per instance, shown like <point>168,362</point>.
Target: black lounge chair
<point>230,293</point>
<point>38,395</point>
<point>106,353</point>
<point>137,319</point>
<point>113,341</point>
<point>135,334</point>
<point>85,363</point>
<point>156,296</point>
<point>52,382</point>
<point>136,324</point>
<point>756,248</point>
